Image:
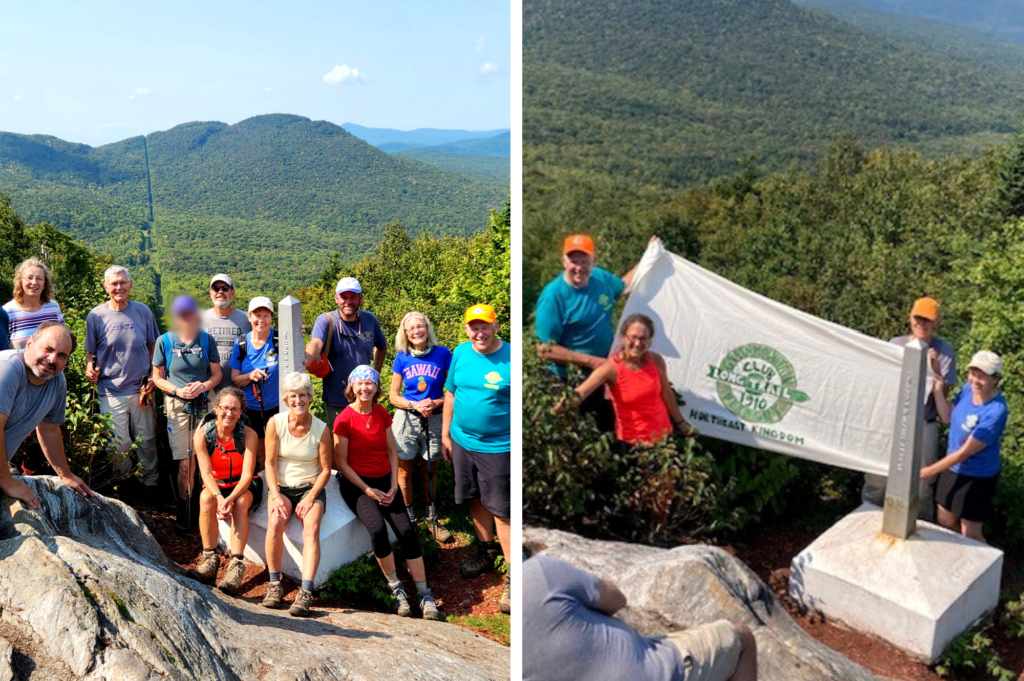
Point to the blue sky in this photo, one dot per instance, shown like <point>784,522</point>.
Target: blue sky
<point>97,72</point>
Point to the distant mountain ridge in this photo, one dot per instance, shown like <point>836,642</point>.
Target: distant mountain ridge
<point>265,199</point>
<point>421,137</point>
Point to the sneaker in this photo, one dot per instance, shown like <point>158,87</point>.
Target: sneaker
<point>275,595</point>
<point>505,604</point>
<point>411,510</point>
<point>401,606</point>
<point>233,577</point>
<point>206,571</point>
<point>300,608</point>
<point>480,564</point>
<point>429,608</point>
<point>440,532</point>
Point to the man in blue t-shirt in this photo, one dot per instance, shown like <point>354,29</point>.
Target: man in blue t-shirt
<point>477,436</point>
<point>573,319</point>
<point>357,339</point>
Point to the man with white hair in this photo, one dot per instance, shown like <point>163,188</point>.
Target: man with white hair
<point>119,339</point>
<point>33,396</point>
<point>225,323</point>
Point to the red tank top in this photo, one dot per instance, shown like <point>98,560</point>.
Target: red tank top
<point>227,463</point>
<point>640,413</point>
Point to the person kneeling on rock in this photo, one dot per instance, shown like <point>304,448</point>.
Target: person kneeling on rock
<point>569,633</point>
<point>226,453</point>
<point>298,470</point>
<point>367,458</point>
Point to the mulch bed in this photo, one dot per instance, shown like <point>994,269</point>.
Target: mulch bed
<point>770,558</point>
<point>455,596</point>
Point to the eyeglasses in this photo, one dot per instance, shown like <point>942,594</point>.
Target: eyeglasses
<point>418,327</point>
<point>229,410</point>
<point>220,289</point>
<point>639,339</point>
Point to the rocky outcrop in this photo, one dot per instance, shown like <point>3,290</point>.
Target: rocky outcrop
<point>86,592</point>
<point>673,589</point>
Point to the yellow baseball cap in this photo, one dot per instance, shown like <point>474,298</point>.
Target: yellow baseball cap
<point>484,313</point>
<point>925,307</point>
<point>578,242</point>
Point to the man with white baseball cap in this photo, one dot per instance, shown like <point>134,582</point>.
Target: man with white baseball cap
<point>225,323</point>
<point>351,337</point>
<point>968,474</point>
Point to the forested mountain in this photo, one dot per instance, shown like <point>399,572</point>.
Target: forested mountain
<point>498,145</point>
<point>497,167</point>
<point>265,199</point>
<point>1004,18</point>
<point>671,92</point>
<point>421,137</point>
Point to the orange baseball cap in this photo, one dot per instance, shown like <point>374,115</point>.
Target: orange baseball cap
<point>925,307</point>
<point>484,313</point>
<point>578,242</point>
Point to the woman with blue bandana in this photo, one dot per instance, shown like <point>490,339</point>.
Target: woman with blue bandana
<point>366,456</point>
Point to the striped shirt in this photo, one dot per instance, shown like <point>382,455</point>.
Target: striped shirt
<point>23,324</point>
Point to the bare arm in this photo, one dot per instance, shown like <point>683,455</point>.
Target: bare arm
<point>395,394</point>
<point>16,489</point>
<point>628,277</point>
<point>393,459</point>
<point>610,598</point>
<point>969,449</point>
<point>556,353</point>
<point>160,380</point>
<point>942,404</point>
<point>51,440</point>
<point>341,461</point>
<point>203,462</point>
<point>603,374</point>
<point>313,349</point>
<point>668,395</point>
<point>275,504</point>
<point>326,451</point>
<point>378,358</point>
<point>446,425</point>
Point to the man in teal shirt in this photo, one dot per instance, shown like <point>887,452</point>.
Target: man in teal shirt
<point>573,319</point>
<point>476,436</point>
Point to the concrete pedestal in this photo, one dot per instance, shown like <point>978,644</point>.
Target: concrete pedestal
<point>918,594</point>
<point>343,537</point>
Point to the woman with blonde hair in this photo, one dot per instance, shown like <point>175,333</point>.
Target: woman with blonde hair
<point>33,302</point>
<point>417,394</point>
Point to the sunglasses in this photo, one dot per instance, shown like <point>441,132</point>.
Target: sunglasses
<point>220,289</point>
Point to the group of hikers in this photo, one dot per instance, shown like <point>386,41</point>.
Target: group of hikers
<point>218,370</point>
<point>625,387</point>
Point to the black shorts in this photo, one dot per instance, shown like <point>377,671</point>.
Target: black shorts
<point>487,477</point>
<point>257,423</point>
<point>255,486</point>
<point>297,494</point>
<point>965,496</point>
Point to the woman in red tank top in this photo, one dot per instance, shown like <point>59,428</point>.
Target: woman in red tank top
<point>646,409</point>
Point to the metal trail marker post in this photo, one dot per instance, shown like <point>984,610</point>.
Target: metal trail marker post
<point>290,342</point>
<point>899,517</point>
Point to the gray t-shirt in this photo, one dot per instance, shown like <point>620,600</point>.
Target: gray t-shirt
<point>121,343</point>
<point>27,405</point>
<point>188,362</point>
<point>225,330</point>
<point>947,365</point>
<point>566,639</point>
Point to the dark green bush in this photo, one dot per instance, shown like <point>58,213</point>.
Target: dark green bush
<point>360,583</point>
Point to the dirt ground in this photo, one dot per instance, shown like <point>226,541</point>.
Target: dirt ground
<point>770,559</point>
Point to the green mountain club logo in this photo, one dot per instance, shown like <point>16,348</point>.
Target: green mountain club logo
<point>757,383</point>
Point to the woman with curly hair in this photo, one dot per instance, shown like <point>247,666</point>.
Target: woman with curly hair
<point>33,302</point>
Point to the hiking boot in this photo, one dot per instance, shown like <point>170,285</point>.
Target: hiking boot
<point>482,563</point>
<point>206,570</point>
<point>505,604</point>
<point>401,606</point>
<point>233,577</point>
<point>275,595</point>
<point>429,608</point>
<point>411,510</point>
<point>440,532</point>
<point>300,608</point>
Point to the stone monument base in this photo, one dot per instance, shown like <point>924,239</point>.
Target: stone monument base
<point>343,537</point>
<point>918,594</point>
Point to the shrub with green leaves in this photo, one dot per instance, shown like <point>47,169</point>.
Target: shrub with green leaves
<point>360,583</point>
<point>972,652</point>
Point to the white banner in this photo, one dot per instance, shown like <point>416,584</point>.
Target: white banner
<point>759,373</point>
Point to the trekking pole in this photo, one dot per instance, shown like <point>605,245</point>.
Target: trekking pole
<point>432,512</point>
<point>190,407</point>
<point>258,387</point>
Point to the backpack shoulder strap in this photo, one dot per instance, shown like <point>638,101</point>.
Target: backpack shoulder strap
<point>209,424</point>
<point>273,339</point>
<point>204,343</point>
<point>168,346</point>
<point>242,347</point>
<point>240,437</point>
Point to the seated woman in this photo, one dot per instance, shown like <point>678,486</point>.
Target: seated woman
<point>646,408</point>
<point>298,469</point>
<point>367,460</point>
<point>969,471</point>
<point>226,453</point>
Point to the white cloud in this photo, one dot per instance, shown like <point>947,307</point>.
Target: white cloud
<point>17,98</point>
<point>489,68</point>
<point>268,89</point>
<point>343,75</point>
<point>479,46</point>
<point>140,93</point>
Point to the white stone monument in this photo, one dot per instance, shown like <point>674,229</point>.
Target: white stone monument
<point>343,538</point>
<point>917,586</point>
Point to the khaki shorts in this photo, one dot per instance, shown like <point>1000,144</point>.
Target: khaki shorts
<point>709,652</point>
<point>411,439</point>
<point>178,433</point>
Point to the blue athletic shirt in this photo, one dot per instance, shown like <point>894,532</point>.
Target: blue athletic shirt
<point>264,358</point>
<point>482,419</point>
<point>423,377</point>
<point>579,319</point>
<point>985,422</point>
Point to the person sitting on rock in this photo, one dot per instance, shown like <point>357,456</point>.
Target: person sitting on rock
<point>298,470</point>
<point>570,634</point>
<point>646,408</point>
<point>33,396</point>
<point>367,459</point>
<point>226,453</point>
